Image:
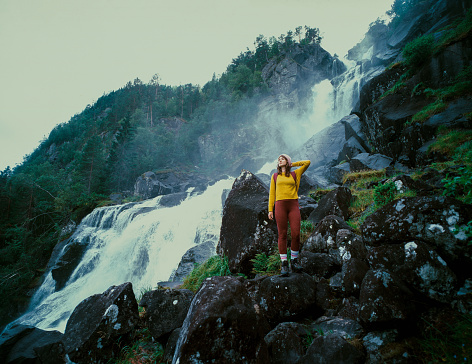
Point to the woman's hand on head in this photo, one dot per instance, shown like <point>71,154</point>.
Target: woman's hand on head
<point>271,215</point>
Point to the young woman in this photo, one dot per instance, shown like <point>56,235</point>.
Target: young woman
<point>283,197</point>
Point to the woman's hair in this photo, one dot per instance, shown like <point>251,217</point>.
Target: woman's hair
<point>287,169</point>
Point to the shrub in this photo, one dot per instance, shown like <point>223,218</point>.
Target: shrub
<point>384,193</point>
<point>266,265</point>
<point>214,266</point>
<point>418,50</point>
<point>306,229</point>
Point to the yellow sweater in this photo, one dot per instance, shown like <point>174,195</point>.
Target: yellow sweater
<point>286,189</point>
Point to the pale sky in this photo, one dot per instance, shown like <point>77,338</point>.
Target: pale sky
<point>57,56</point>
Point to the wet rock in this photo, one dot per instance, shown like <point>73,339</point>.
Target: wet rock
<point>281,298</point>
<point>36,346</point>
<point>332,349</point>
<point>286,343</point>
<point>195,255</point>
<point>10,337</point>
<point>223,325</point>
<point>324,236</point>
<point>335,202</point>
<point>171,344</point>
<point>318,264</point>
<point>419,266</point>
<point>245,229</point>
<point>166,310</point>
<point>439,221</point>
<point>384,298</point>
<point>366,161</point>
<point>345,327</point>
<point>97,323</point>
<point>353,273</point>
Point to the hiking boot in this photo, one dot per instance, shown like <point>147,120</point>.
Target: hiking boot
<point>295,266</point>
<point>284,268</point>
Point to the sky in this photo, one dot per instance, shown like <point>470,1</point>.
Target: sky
<point>58,56</point>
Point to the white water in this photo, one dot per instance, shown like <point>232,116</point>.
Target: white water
<point>128,245</point>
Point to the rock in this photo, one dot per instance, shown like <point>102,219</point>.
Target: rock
<point>98,321</point>
<point>349,308</point>
<point>197,254</point>
<point>68,256</point>
<point>246,229</point>
<point>366,161</point>
<point>324,236</point>
<point>165,310</point>
<point>350,245</point>
<point>344,327</point>
<point>438,221</point>
<point>332,349</point>
<point>336,174</point>
<point>375,341</point>
<point>281,298</point>
<point>326,297</point>
<point>353,273</point>
<point>384,298</point>
<point>285,343</point>
<point>404,183</point>
<point>10,337</point>
<point>223,325</point>
<point>171,344</point>
<point>335,202</point>
<point>307,205</point>
<point>419,266</point>
<point>37,346</point>
<point>319,264</point>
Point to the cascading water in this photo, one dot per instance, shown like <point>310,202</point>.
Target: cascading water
<point>139,243</point>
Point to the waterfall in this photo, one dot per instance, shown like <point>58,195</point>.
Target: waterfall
<point>141,243</point>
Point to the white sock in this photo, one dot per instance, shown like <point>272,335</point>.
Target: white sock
<point>294,254</point>
<point>283,257</point>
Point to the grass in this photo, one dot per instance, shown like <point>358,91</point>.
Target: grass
<point>144,350</point>
<point>214,266</point>
<point>451,343</point>
<point>449,141</point>
<point>361,179</point>
<point>318,193</point>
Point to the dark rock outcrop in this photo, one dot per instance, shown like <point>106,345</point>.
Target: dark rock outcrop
<point>246,230</point>
<point>165,310</point>
<point>335,202</point>
<point>285,343</point>
<point>97,323</point>
<point>438,221</point>
<point>223,318</point>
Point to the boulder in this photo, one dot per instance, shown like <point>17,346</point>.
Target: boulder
<point>281,298</point>
<point>366,161</point>
<point>350,245</point>
<point>285,343</point>
<point>375,341</point>
<point>245,228</point>
<point>326,297</point>
<point>335,202</point>
<point>353,273</point>
<point>332,349</point>
<point>324,236</point>
<point>165,310</point>
<point>349,308</point>
<point>34,345</point>
<point>10,336</point>
<point>223,325</point>
<point>195,255</point>
<point>420,267</point>
<point>170,346</point>
<point>345,327</point>
<point>319,264</point>
<point>71,252</point>
<point>98,321</point>
<point>384,298</point>
<point>439,221</point>
<point>307,205</point>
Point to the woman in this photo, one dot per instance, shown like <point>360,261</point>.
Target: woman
<point>283,196</point>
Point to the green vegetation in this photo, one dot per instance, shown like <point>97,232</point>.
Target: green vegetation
<point>144,350</point>
<point>214,266</point>
<point>384,193</point>
<point>418,51</point>
<point>449,343</point>
<point>266,265</point>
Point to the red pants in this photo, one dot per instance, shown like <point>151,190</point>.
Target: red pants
<point>288,211</point>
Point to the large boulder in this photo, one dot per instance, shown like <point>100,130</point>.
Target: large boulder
<point>335,202</point>
<point>98,321</point>
<point>286,343</point>
<point>439,221</point>
<point>27,344</point>
<point>165,310</point>
<point>283,298</point>
<point>223,325</point>
<point>332,348</point>
<point>324,237</point>
<point>245,228</point>
<point>419,266</point>
<point>384,299</point>
<point>195,255</point>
